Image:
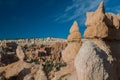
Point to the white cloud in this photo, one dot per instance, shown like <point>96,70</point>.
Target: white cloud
<point>117,9</point>
<point>77,10</point>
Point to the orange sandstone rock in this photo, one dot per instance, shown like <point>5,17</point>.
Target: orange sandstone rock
<point>75,35</point>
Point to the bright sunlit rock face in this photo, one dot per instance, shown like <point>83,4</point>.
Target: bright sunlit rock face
<point>75,35</point>
<point>102,25</point>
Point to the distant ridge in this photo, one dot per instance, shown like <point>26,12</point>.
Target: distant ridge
<point>30,41</point>
<point>29,38</point>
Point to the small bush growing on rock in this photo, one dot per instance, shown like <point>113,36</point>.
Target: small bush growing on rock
<point>48,66</point>
<point>59,65</point>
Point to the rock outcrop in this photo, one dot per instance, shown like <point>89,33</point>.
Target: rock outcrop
<point>102,25</point>
<point>106,36</point>
<point>39,75</point>
<point>20,53</point>
<point>69,54</point>
<point>15,68</point>
<point>75,35</point>
<point>66,72</point>
<point>91,63</point>
<point>74,43</point>
<point>21,68</point>
<point>96,27</point>
<point>35,73</point>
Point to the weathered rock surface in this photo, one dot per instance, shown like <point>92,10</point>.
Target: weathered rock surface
<point>69,54</point>
<point>96,27</point>
<point>40,75</point>
<point>35,73</point>
<point>102,25</point>
<point>74,27</point>
<point>23,70</point>
<point>91,63</point>
<point>75,35</point>
<point>74,43</point>
<point>20,53</point>
<point>103,46</point>
<point>70,51</point>
<point>109,24</point>
<point>15,68</point>
<point>67,72</point>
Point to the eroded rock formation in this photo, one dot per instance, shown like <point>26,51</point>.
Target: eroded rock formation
<point>69,54</point>
<point>75,35</point>
<point>91,63</point>
<point>97,57</point>
<point>104,30</point>
<point>96,26</point>
<point>74,43</point>
<point>102,25</point>
<point>20,53</point>
<point>16,68</point>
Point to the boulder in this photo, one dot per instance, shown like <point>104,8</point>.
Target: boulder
<point>91,63</point>
<point>20,53</point>
<point>15,68</point>
<point>34,73</point>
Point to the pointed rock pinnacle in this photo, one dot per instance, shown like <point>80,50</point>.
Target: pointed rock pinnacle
<point>101,7</point>
<point>74,27</point>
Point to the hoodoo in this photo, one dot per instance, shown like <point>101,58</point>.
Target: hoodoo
<point>75,35</point>
<point>74,43</point>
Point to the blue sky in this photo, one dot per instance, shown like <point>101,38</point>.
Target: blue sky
<point>46,18</point>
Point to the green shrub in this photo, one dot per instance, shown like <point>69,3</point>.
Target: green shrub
<point>48,66</point>
<point>59,65</point>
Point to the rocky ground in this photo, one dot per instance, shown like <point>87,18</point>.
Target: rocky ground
<point>18,62</point>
